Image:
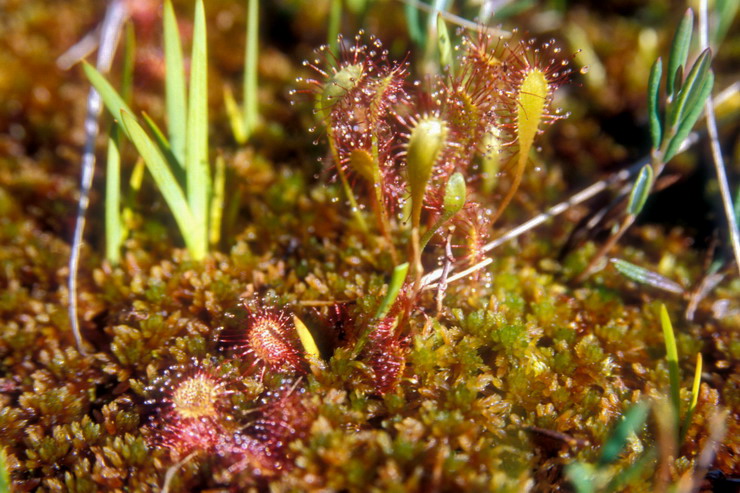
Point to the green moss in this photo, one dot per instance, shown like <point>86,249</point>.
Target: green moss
<point>520,372</point>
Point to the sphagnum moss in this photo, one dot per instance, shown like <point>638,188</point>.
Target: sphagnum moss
<point>518,375</point>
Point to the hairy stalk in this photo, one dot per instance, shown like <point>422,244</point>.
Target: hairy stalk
<point>345,184</point>
<point>379,203</point>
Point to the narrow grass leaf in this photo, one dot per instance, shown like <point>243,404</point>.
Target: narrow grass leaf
<point>444,44</point>
<point>697,382</point>
<point>175,93</point>
<point>113,226</point>
<point>631,472</point>
<point>164,147</point>
<point>111,99</point>
<point>307,340</point>
<point>397,280</point>
<point>725,14</point>
<point>131,199</point>
<point>640,190</point>
<point>166,183</point>
<point>630,423</point>
<point>679,50</point>
<point>332,33</point>
<point>694,398</point>
<point>581,477</point>
<point>645,276</point>
<point>656,131</point>
<point>251,62</point>
<point>217,202</point>
<point>129,58</point>
<point>672,358</point>
<point>234,114</point>
<point>692,86</point>
<point>690,119</point>
<point>196,168</point>
<point>413,26</point>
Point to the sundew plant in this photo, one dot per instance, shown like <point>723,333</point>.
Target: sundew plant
<point>425,246</point>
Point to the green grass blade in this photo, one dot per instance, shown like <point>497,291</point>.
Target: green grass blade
<point>631,472</point>
<point>640,190</point>
<point>413,24</point>
<point>175,93</point>
<point>234,114</point>
<point>694,398</point>
<point>697,382</point>
<point>630,423</point>
<point>394,288</point>
<point>693,84</point>
<point>725,14</point>
<point>196,168</point>
<point>679,50</point>
<point>672,358</point>
<point>656,130</point>
<point>332,33</point>
<point>217,202</point>
<point>251,62</point>
<point>690,119</point>
<point>644,276</point>
<point>581,477</point>
<point>307,340</point>
<point>113,226</point>
<point>397,280</point>
<point>129,59</point>
<point>164,148</point>
<point>134,186</point>
<point>166,183</point>
<point>111,99</point>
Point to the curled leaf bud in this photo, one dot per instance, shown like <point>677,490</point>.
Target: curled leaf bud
<point>338,86</point>
<point>455,194</point>
<point>453,201</point>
